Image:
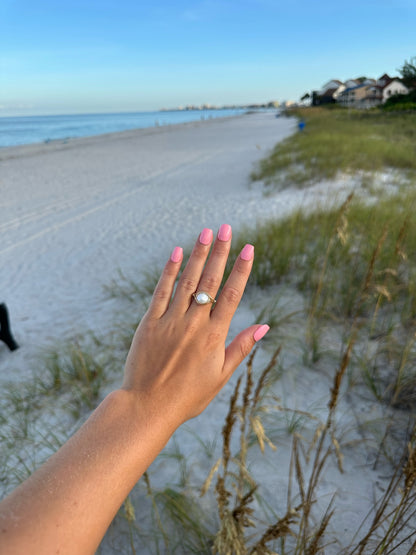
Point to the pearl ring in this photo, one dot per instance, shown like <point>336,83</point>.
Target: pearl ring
<point>203,298</point>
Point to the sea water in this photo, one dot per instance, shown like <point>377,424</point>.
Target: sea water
<point>37,129</point>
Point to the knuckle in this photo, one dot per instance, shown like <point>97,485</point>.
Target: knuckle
<point>190,328</point>
<point>210,282</point>
<point>213,338</point>
<point>199,252</point>
<point>245,348</point>
<point>231,295</point>
<point>161,294</point>
<point>187,283</point>
<point>222,249</point>
<point>241,268</point>
<point>170,271</point>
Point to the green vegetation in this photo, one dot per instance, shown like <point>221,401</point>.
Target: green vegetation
<point>400,102</point>
<point>341,141</point>
<point>408,73</point>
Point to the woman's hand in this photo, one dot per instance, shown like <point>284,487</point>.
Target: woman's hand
<point>178,361</point>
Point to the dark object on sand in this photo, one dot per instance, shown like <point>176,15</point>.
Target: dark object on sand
<point>5,332</point>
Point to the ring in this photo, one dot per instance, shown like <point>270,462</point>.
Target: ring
<point>203,298</point>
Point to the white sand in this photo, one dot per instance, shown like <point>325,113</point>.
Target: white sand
<point>74,212</point>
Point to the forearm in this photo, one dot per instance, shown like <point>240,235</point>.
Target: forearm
<point>67,505</point>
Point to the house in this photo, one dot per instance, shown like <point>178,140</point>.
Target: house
<point>370,95</point>
<point>384,80</point>
<point>333,84</point>
<point>361,96</point>
<point>329,92</point>
<point>363,92</point>
<point>395,86</point>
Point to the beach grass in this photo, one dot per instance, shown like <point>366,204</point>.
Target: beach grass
<point>341,141</point>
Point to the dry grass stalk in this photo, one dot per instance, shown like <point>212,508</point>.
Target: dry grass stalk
<point>398,249</point>
<point>129,512</point>
<point>314,544</point>
<point>371,266</point>
<point>149,491</point>
<point>243,425</point>
<point>229,424</point>
<point>262,381</point>
<point>393,522</point>
<point>279,529</point>
<point>207,483</point>
<point>339,375</point>
<point>231,537</point>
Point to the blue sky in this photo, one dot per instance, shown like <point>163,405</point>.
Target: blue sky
<point>76,56</point>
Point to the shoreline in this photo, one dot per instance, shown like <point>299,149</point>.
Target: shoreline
<point>102,136</point>
<point>32,149</point>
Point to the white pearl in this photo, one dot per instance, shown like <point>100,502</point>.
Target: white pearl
<point>202,298</point>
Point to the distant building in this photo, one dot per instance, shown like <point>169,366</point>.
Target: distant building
<point>373,94</point>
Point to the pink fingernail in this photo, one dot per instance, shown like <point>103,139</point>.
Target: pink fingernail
<point>260,332</point>
<point>176,255</point>
<point>224,233</point>
<point>205,237</point>
<point>247,253</point>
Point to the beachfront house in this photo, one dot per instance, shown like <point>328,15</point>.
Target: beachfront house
<point>395,86</point>
<point>371,93</point>
<point>364,92</point>
<point>360,96</point>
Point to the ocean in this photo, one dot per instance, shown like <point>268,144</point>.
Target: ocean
<point>39,129</point>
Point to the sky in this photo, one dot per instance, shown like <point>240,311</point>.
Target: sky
<point>83,56</point>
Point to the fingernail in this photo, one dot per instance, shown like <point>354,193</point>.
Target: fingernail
<point>247,253</point>
<point>205,237</point>
<point>260,332</point>
<point>176,255</point>
<point>224,233</point>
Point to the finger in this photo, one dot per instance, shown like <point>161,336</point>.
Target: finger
<point>214,270</point>
<point>164,289</point>
<point>191,275</point>
<point>241,346</point>
<point>233,289</point>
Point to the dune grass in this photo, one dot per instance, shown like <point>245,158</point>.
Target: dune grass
<point>341,140</point>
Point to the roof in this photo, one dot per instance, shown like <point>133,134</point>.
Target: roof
<point>356,87</point>
<point>329,92</point>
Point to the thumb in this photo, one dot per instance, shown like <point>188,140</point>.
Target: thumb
<point>241,346</point>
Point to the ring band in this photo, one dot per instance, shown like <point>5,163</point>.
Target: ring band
<point>203,298</point>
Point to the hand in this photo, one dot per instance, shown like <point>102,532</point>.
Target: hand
<point>178,361</point>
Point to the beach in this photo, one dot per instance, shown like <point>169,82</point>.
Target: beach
<point>76,212</point>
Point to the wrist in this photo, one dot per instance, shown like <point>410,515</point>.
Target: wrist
<point>147,417</point>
